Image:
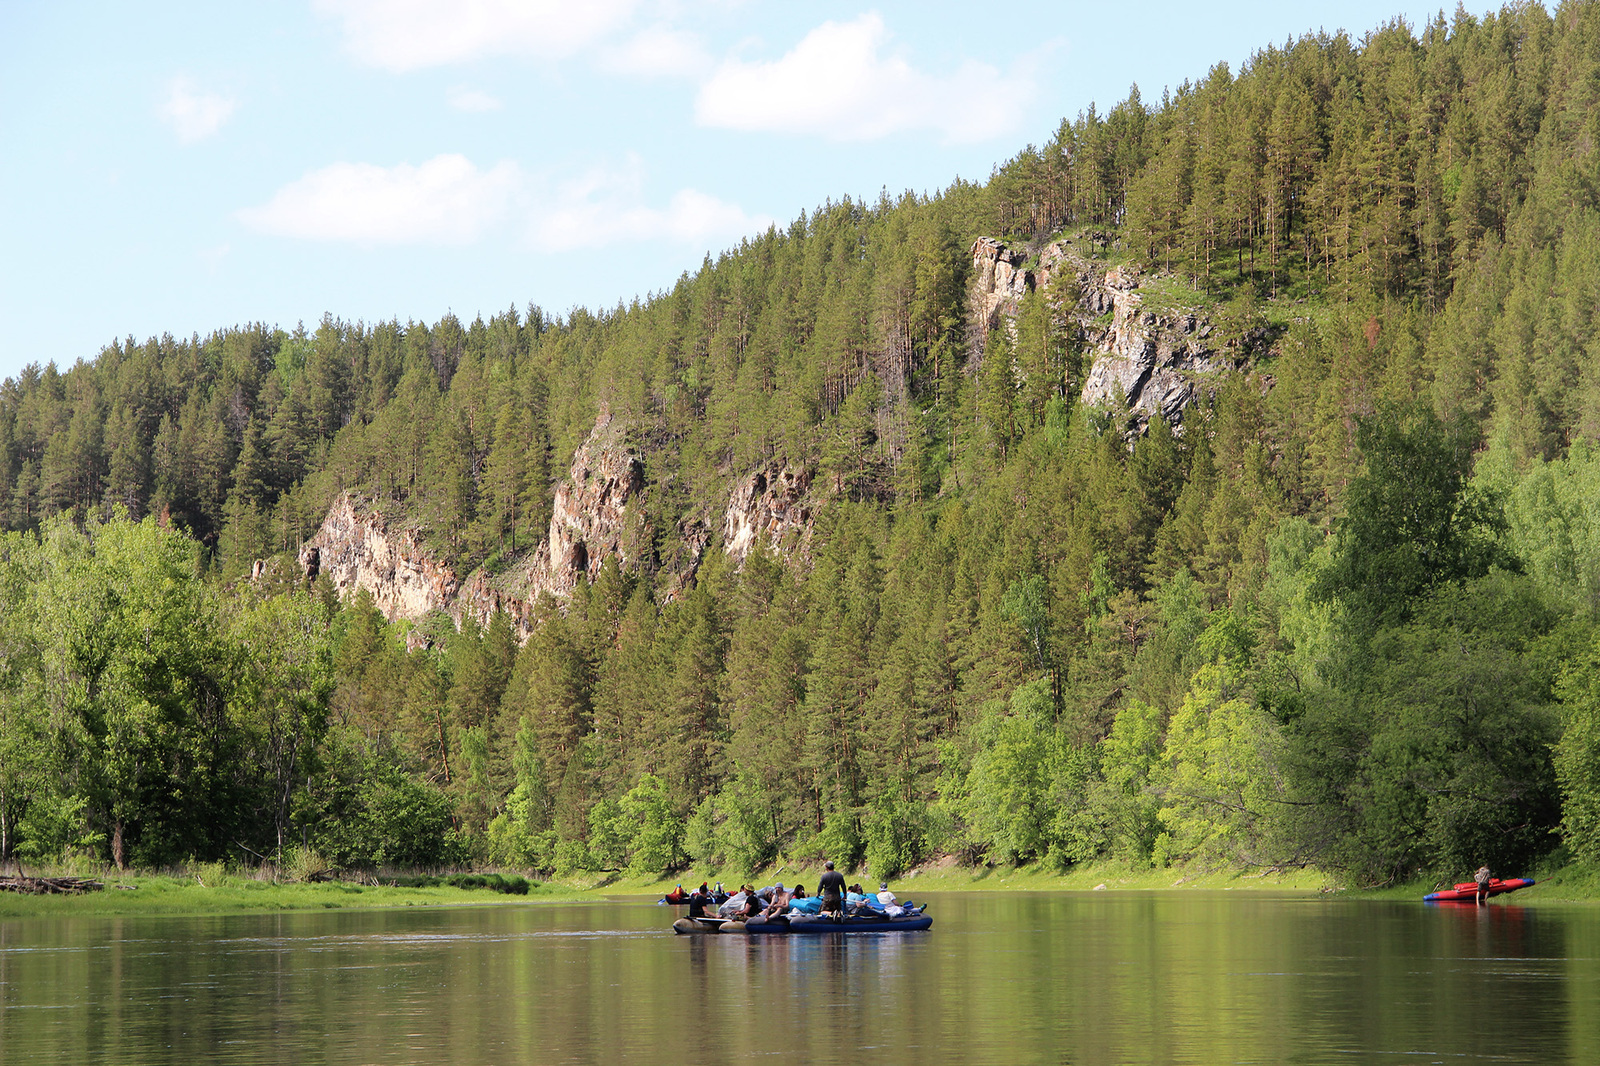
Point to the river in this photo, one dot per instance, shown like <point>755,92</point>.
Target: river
<point>1085,978</point>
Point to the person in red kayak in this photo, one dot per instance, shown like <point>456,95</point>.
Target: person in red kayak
<point>1482,877</point>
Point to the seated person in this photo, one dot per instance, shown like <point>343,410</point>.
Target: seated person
<point>888,901</point>
<point>697,904</point>
<point>800,903</point>
<point>734,904</point>
<point>779,901</point>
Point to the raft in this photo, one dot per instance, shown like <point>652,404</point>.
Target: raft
<point>803,924</point>
<point>820,924</point>
<point>1468,890</point>
<point>707,925</point>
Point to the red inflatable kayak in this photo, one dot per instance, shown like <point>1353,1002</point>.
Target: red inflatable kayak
<point>1468,890</point>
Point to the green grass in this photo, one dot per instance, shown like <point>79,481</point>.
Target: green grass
<point>223,893</point>
<point>227,894</point>
<point>946,878</point>
<point>1559,883</point>
<point>1173,292</point>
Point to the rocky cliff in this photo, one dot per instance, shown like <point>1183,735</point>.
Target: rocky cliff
<point>999,283</point>
<point>359,548</point>
<point>1142,360</point>
<point>595,516</point>
<point>773,507</point>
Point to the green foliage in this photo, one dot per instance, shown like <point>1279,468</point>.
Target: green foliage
<point>369,813</point>
<point>895,835</point>
<point>1577,755</point>
<point>1010,628</point>
<point>1412,521</point>
<point>1125,801</point>
<point>1440,757</point>
<point>1220,776</point>
<point>1008,788</point>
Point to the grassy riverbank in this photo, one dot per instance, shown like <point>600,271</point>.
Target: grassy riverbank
<point>224,893</point>
<point>210,891</point>
<point>953,878</point>
<point>1563,883</point>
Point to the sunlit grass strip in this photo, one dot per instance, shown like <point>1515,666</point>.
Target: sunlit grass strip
<point>175,895</point>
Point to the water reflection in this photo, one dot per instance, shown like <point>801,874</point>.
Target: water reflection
<point>1081,978</point>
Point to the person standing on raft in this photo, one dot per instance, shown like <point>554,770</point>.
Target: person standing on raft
<point>1482,877</point>
<point>831,889</point>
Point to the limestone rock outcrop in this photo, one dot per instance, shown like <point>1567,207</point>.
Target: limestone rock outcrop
<point>588,519</point>
<point>595,516</point>
<point>771,506</point>
<point>358,548</point>
<point>1147,362</point>
<point>999,283</point>
<point>1143,361</point>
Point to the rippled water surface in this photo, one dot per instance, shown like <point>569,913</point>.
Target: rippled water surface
<point>1082,978</point>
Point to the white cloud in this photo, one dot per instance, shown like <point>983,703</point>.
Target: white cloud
<point>659,51</point>
<point>403,35</point>
<point>607,207</point>
<point>841,82</point>
<point>193,113</point>
<point>446,200</point>
<point>473,101</point>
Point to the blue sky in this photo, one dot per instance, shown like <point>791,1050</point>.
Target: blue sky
<point>182,167</point>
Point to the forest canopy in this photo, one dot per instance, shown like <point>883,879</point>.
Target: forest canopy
<point>1340,615</point>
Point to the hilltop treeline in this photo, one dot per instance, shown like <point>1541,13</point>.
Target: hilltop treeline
<point>1343,616</point>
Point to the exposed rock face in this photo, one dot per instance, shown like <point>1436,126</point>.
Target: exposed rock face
<point>1000,282</point>
<point>770,506</point>
<point>1149,363</point>
<point>594,517</point>
<point>1142,361</point>
<point>357,549</point>
<point>590,521</point>
<point>481,597</point>
<point>587,521</point>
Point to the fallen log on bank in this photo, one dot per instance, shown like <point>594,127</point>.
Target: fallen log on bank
<point>39,886</point>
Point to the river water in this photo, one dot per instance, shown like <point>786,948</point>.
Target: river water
<point>1080,978</point>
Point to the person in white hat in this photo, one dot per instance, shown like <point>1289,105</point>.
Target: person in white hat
<point>886,899</point>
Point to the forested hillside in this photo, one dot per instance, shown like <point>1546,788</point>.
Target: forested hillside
<point>1341,615</point>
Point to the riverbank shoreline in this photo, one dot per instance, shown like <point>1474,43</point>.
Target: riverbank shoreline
<point>211,892</point>
<point>192,895</point>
